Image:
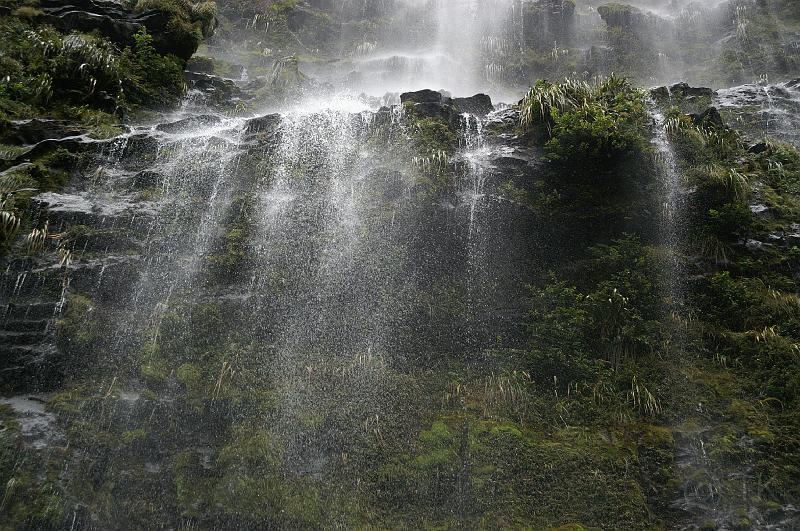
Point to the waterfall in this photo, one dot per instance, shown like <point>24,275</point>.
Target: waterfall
<point>461,53</point>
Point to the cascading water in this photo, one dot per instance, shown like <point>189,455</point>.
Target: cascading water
<point>461,51</point>
<point>763,109</point>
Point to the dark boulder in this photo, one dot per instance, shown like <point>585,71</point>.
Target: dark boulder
<point>440,111</point>
<point>479,104</point>
<point>27,132</point>
<point>684,91</point>
<point>622,16</point>
<point>192,122</point>
<point>223,90</point>
<point>432,104</point>
<point>200,65</point>
<point>262,129</point>
<point>422,96</point>
<point>708,118</point>
<point>263,124</point>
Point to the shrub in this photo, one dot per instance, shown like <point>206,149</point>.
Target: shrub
<point>74,67</point>
<point>591,136</point>
<point>151,78</point>
<point>586,125</point>
<point>188,23</point>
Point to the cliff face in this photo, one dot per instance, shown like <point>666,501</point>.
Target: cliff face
<point>272,291</point>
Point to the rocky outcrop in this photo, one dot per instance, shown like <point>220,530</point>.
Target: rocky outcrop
<point>218,90</point>
<point>691,99</point>
<point>763,110</point>
<point>623,16</point>
<point>479,104</point>
<point>432,104</point>
<point>35,130</point>
<point>709,118</point>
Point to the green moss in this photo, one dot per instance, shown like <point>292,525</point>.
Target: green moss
<point>153,370</point>
<point>31,495</point>
<point>133,436</point>
<point>27,12</point>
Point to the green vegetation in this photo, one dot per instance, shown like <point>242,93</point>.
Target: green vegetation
<point>151,79</point>
<point>47,73</point>
<point>586,125</point>
<point>188,23</point>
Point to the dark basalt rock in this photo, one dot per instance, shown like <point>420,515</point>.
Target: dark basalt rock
<point>263,124</point>
<point>758,148</point>
<point>192,122</point>
<point>200,65</point>
<point>622,16</point>
<point>29,367</point>
<point>433,104</point>
<point>140,149</point>
<point>263,129</point>
<point>422,96</point>
<point>479,104</point>
<point>435,110</point>
<point>708,118</point>
<point>683,90</point>
<point>223,89</point>
<point>146,179</point>
<point>75,144</point>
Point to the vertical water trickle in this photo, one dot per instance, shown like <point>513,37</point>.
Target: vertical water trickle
<point>474,157</point>
<point>671,222</point>
<point>699,492</point>
<point>328,284</point>
<point>473,168</point>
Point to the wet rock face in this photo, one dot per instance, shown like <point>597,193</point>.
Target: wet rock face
<point>217,90</point>
<point>479,105</point>
<point>683,90</point>
<point>708,118</point>
<point>422,96</point>
<point>683,94</point>
<point>27,132</point>
<point>763,110</point>
<point>548,21</point>
<point>192,122</point>
<point>623,16</point>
